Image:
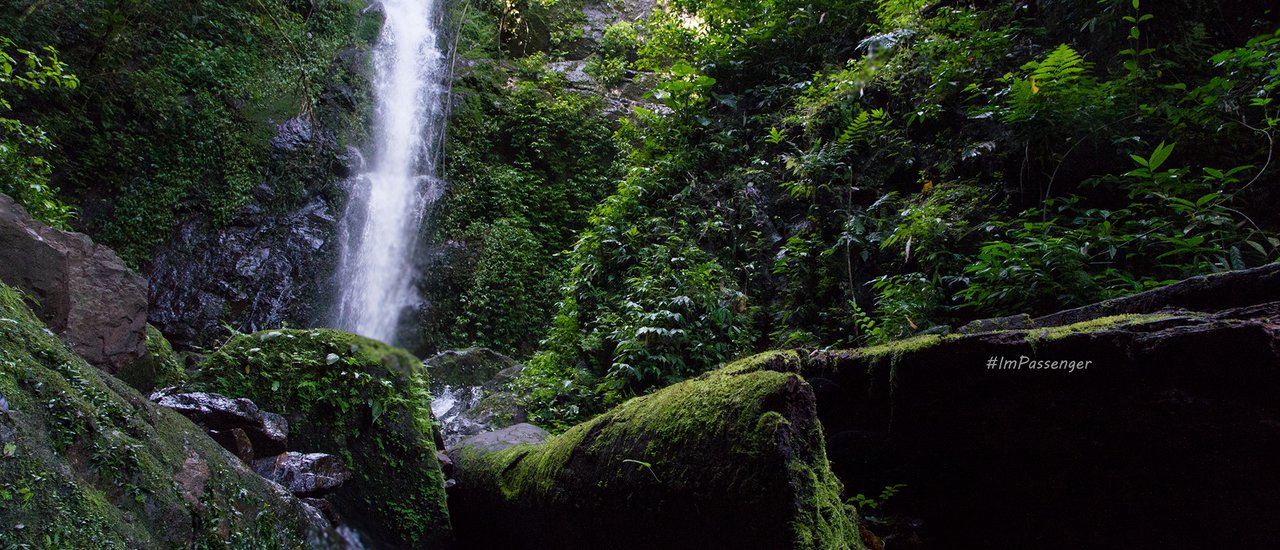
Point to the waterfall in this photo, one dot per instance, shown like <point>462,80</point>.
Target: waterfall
<point>390,196</point>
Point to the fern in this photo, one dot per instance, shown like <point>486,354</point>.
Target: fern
<point>1063,67</point>
<point>862,125</point>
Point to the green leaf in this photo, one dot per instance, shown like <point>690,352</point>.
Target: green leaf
<point>1160,155</point>
<point>1257,246</point>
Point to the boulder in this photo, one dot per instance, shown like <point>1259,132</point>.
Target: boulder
<point>492,442</point>
<point>305,475</point>
<point>1104,433</point>
<point>267,432</point>
<point>159,367</point>
<point>727,460</point>
<point>90,463</point>
<point>354,398</point>
<point>469,389</point>
<point>477,367</point>
<point>80,290</point>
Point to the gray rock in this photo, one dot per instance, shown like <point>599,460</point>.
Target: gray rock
<point>304,474</point>
<point>266,431</point>
<point>274,426</point>
<point>470,367</point>
<point>81,290</point>
<point>256,274</point>
<point>293,135</point>
<point>492,442</point>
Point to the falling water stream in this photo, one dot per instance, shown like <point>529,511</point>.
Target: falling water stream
<point>395,190</point>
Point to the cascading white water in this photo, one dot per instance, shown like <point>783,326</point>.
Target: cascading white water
<point>388,200</point>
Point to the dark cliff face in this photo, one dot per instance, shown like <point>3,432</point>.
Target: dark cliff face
<point>271,266</point>
<point>269,272</point>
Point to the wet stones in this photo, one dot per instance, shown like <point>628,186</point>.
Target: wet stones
<point>259,438</point>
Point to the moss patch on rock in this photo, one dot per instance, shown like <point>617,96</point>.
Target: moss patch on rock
<point>1035,336</point>
<point>732,459</point>
<point>160,367</point>
<point>356,398</point>
<point>86,461</point>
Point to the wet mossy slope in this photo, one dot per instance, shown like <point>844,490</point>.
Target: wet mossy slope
<point>87,462</point>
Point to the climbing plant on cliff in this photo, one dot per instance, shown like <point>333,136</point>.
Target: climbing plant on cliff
<point>527,159</point>
<point>177,103</point>
<point>24,173</point>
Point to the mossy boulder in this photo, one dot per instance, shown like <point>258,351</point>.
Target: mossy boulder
<point>159,367</point>
<point>727,460</point>
<point>470,367</point>
<point>355,398</point>
<point>87,462</point>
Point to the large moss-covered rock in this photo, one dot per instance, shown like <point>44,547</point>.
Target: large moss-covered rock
<point>728,460</point>
<point>87,462</point>
<point>355,398</point>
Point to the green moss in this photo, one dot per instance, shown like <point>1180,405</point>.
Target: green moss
<point>160,367</point>
<point>1037,336</point>
<point>742,441</point>
<point>778,360</point>
<point>355,398</point>
<point>89,462</point>
<point>898,348</point>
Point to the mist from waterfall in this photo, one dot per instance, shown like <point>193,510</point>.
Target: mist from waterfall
<point>395,190</point>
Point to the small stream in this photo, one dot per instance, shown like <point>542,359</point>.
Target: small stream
<point>450,407</point>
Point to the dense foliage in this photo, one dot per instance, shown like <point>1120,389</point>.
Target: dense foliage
<point>527,156</point>
<point>634,201</point>
<point>177,102</point>
<point>833,173</point>
<point>24,173</point>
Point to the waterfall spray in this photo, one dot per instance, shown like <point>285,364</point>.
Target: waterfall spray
<point>391,196</point>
